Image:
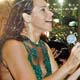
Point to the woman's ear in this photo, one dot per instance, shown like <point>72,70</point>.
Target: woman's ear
<point>26,17</point>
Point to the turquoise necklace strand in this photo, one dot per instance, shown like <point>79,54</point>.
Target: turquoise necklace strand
<point>33,53</point>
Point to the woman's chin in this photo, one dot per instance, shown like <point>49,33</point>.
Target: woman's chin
<point>48,28</point>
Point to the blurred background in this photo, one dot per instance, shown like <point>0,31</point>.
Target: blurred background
<point>66,21</point>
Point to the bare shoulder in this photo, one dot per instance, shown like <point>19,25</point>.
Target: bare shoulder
<point>12,43</point>
<point>11,47</point>
<point>14,53</point>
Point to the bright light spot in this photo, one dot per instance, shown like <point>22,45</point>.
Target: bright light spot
<point>75,8</point>
<point>61,2</point>
<point>73,23</point>
<point>71,32</point>
<point>56,20</point>
<point>2,1</point>
<point>47,34</point>
<point>48,4</point>
<point>69,4</point>
<point>54,4</point>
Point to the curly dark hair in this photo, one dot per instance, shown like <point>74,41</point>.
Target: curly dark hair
<point>15,22</point>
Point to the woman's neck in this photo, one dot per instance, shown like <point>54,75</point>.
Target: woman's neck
<point>32,34</point>
<point>34,37</point>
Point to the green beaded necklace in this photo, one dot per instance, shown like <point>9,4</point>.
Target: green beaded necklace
<point>33,55</point>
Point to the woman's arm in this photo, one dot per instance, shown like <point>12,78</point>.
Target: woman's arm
<point>64,70</point>
<point>75,75</point>
<point>16,57</point>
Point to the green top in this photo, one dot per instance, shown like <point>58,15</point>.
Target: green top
<point>33,50</point>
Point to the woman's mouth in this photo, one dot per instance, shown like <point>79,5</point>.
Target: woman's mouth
<point>49,21</point>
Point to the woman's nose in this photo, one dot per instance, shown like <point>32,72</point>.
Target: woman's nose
<point>50,13</point>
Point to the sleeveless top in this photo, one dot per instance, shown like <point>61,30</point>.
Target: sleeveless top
<point>33,50</point>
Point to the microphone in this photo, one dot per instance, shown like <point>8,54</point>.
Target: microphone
<point>71,39</point>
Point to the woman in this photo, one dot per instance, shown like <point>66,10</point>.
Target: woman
<point>75,75</point>
<point>23,55</point>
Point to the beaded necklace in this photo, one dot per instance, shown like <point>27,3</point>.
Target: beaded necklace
<point>32,49</point>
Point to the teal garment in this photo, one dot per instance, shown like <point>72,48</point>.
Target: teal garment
<point>33,54</point>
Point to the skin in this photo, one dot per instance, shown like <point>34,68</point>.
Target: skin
<point>15,52</point>
<point>38,18</point>
<point>16,56</point>
<point>75,75</point>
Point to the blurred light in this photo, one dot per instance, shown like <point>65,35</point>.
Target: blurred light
<point>56,20</point>
<point>48,4</point>
<point>75,8</point>
<point>47,34</point>
<point>66,8</point>
<point>71,32</point>
<point>2,1</point>
<point>77,4</point>
<point>71,8</point>
<point>54,4</point>
<point>69,4</point>
<point>61,2</point>
<point>73,4</point>
<point>73,23</point>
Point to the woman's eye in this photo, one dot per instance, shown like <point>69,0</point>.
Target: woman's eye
<point>43,9</point>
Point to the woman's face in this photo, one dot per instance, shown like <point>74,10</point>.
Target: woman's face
<point>41,16</point>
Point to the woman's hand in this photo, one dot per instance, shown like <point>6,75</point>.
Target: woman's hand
<point>74,59</point>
